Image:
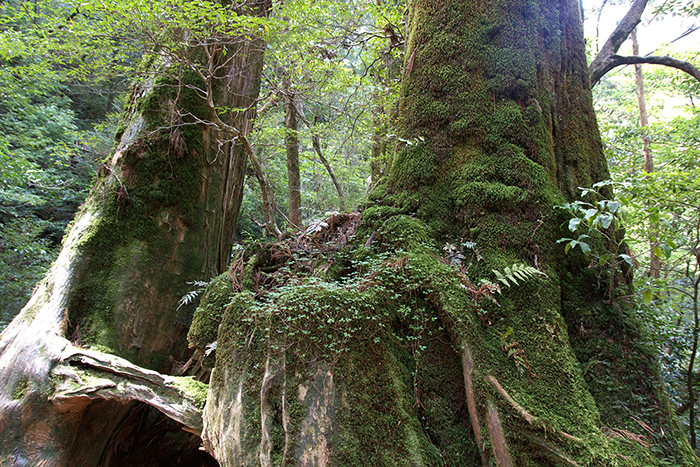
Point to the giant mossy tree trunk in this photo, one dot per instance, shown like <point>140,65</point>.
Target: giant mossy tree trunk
<point>393,352</point>
<point>162,213</point>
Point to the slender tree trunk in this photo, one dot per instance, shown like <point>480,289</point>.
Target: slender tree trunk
<point>291,124</point>
<point>690,372</point>
<point>316,143</point>
<point>392,58</point>
<point>642,104</point>
<point>654,261</point>
<point>162,213</point>
<point>690,380</point>
<point>268,202</point>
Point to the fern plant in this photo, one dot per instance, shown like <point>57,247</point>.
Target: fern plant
<point>512,274</point>
<point>192,294</point>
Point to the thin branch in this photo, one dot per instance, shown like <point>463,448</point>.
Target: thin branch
<point>619,35</point>
<point>597,25</point>
<point>618,60</point>
<point>317,148</point>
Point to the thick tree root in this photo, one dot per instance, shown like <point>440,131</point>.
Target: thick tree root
<point>496,435</point>
<point>531,419</point>
<point>551,449</point>
<point>498,439</point>
<point>467,366</point>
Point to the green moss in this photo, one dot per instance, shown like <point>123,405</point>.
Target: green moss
<point>20,389</point>
<point>143,210</point>
<point>405,231</point>
<point>498,136</point>
<point>620,368</point>
<point>396,377</point>
<point>205,324</point>
<point>192,389</point>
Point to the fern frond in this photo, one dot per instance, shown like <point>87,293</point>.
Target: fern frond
<point>210,347</point>
<point>187,298</point>
<point>517,272</point>
<point>192,294</point>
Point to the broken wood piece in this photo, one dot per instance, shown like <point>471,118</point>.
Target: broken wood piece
<point>85,375</point>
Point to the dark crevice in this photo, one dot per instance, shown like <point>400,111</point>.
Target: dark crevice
<point>135,434</point>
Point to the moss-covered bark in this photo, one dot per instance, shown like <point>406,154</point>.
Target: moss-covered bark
<point>359,362</point>
<point>162,212</point>
<point>165,208</point>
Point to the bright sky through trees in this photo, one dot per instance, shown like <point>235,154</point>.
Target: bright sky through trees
<point>657,31</point>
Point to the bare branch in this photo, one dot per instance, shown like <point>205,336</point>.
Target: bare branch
<point>315,140</point>
<point>619,35</point>
<point>618,60</point>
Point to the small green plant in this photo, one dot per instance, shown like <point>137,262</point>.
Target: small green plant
<point>516,352</point>
<point>192,294</point>
<point>512,274</point>
<point>598,219</point>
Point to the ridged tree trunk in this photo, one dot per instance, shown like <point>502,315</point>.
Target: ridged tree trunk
<point>291,140</point>
<point>397,352</point>
<point>162,213</point>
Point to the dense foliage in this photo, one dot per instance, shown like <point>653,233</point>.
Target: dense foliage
<point>662,210</point>
<point>53,134</point>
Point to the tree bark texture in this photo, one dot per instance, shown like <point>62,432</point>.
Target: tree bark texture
<point>388,354</point>
<point>162,212</point>
<point>412,363</point>
<point>291,139</point>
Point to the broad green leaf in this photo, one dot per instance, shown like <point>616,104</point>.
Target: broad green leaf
<point>574,223</point>
<point>606,219</point>
<point>585,248</point>
<point>590,213</point>
<point>668,251</point>
<point>627,258</point>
